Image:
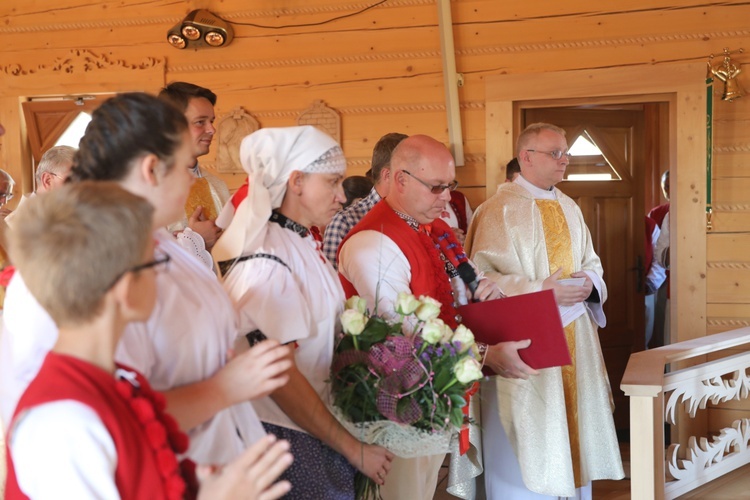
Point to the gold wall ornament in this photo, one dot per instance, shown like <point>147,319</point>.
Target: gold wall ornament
<point>322,117</point>
<point>727,71</point>
<point>230,130</point>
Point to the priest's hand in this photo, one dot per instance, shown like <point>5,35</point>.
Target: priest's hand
<point>504,360</point>
<point>588,284</point>
<point>567,295</point>
<point>486,290</point>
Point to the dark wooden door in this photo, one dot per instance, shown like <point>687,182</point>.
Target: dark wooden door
<point>613,210</point>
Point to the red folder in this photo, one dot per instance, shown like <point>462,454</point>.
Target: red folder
<point>529,316</point>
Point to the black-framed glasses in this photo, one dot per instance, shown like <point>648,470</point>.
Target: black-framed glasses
<point>436,189</point>
<point>555,153</point>
<point>158,265</point>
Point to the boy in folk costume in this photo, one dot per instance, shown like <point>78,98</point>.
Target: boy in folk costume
<point>87,427</point>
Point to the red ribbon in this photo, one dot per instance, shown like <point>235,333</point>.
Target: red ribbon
<point>463,436</point>
<point>6,274</point>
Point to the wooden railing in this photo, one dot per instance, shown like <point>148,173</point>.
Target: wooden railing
<point>655,396</point>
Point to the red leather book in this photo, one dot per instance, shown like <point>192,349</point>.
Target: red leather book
<point>529,316</point>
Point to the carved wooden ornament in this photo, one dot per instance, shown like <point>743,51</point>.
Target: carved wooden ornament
<point>321,116</point>
<point>230,130</point>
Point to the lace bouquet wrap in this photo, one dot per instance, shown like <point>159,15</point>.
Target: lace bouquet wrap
<point>403,387</point>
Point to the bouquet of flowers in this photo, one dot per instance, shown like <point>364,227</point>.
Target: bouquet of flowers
<point>402,384</point>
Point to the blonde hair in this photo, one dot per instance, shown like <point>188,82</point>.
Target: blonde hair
<point>532,131</point>
<point>71,244</point>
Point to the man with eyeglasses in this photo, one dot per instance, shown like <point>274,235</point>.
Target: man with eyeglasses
<point>552,434</point>
<point>51,173</point>
<point>392,250</point>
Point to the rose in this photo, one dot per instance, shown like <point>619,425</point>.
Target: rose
<point>464,336</point>
<point>353,322</point>
<point>447,334</point>
<point>356,303</point>
<point>432,331</point>
<point>467,370</point>
<point>428,309</point>
<point>406,303</point>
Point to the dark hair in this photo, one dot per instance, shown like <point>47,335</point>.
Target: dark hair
<point>124,128</point>
<point>381,154</point>
<point>179,94</point>
<point>512,168</point>
<point>356,186</point>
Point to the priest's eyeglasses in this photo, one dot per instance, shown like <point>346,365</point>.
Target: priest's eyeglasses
<point>159,264</point>
<point>555,153</point>
<point>436,189</point>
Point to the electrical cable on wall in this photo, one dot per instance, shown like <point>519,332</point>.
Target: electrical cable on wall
<point>311,24</point>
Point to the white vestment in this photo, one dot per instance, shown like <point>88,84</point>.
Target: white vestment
<point>185,340</point>
<point>507,241</point>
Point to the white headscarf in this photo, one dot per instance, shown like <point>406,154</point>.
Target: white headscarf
<point>269,156</point>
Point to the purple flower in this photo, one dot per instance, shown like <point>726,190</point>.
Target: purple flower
<point>440,351</point>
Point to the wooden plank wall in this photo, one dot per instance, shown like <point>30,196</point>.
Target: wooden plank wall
<point>381,69</point>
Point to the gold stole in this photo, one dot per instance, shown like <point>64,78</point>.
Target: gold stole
<point>560,256</point>
<point>200,196</point>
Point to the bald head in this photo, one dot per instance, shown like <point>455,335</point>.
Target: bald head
<point>418,164</point>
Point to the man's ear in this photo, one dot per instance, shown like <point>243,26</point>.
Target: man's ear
<point>45,180</point>
<point>385,174</point>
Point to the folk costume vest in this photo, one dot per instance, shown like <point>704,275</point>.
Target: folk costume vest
<point>128,409</point>
<point>428,276</point>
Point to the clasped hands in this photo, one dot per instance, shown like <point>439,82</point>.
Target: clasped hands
<point>568,295</point>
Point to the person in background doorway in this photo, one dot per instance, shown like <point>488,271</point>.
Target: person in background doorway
<point>660,215</point>
<point>655,275</point>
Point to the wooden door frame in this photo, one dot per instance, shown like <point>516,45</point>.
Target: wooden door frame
<point>683,87</point>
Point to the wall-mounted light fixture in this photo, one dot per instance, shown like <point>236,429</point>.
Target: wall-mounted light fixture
<point>200,29</point>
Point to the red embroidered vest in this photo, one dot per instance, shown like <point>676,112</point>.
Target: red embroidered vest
<point>428,276</point>
<point>63,377</point>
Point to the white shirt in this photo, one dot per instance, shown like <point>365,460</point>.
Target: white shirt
<point>63,450</point>
<point>185,340</point>
<point>299,304</point>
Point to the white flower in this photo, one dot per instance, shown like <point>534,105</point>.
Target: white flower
<point>428,309</point>
<point>353,322</point>
<point>464,336</point>
<point>406,303</point>
<point>447,334</point>
<point>467,370</point>
<point>356,303</point>
<point>432,331</point>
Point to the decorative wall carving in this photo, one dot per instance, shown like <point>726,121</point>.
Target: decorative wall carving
<point>230,130</point>
<point>65,75</point>
<point>321,116</point>
<point>79,61</point>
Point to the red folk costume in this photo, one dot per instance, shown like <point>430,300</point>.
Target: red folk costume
<point>146,438</point>
<point>428,276</point>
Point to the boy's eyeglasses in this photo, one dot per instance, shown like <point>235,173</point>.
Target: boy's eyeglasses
<point>158,264</point>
